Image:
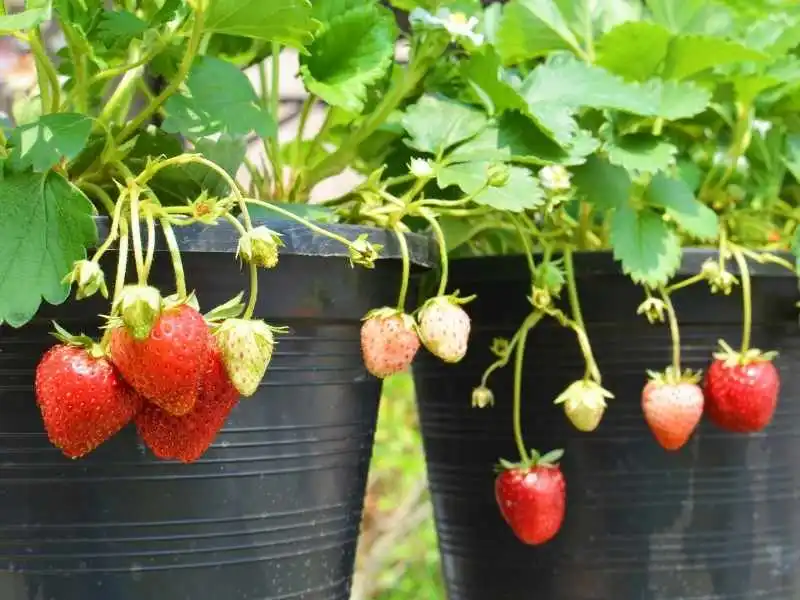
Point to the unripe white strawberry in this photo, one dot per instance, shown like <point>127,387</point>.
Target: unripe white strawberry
<point>246,348</point>
<point>389,341</point>
<point>444,328</point>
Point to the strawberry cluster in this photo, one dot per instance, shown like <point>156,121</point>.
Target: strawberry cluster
<point>178,379</point>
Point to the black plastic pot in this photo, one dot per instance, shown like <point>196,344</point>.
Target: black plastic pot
<point>717,520</point>
<point>271,512</point>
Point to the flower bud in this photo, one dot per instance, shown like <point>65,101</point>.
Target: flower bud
<point>89,278</point>
<point>498,175</point>
<point>482,397</point>
<point>260,247</point>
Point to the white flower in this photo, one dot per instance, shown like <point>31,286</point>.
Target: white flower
<point>555,177</point>
<point>420,168</point>
<point>762,126</point>
<point>456,23</point>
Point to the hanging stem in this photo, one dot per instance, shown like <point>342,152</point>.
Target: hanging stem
<point>592,370</point>
<point>401,240</point>
<point>253,271</point>
<point>747,298</point>
<point>122,260</point>
<point>175,255</point>
<point>519,358</point>
<point>442,243</point>
<point>275,107</point>
<point>526,244</point>
<point>674,331</point>
<point>113,233</point>
<point>151,241</point>
<point>138,256</point>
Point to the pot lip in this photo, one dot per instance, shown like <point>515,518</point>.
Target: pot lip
<point>298,240</point>
<point>599,263</point>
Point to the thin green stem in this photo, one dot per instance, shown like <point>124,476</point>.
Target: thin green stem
<point>308,104</point>
<point>592,370</point>
<point>274,107</point>
<point>2,8</point>
<point>519,361</point>
<point>121,94</point>
<point>175,82</point>
<point>122,260</point>
<point>175,255</point>
<point>747,298</point>
<point>313,227</point>
<point>150,221</point>
<point>674,331</point>
<point>251,303</point>
<point>113,233</point>
<point>441,241</point>
<point>101,194</point>
<point>136,234</point>
<point>525,244</point>
<point>49,87</point>
<point>685,283</point>
<point>79,66</point>
<point>401,241</point>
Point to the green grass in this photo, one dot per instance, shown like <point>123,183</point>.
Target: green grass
<point>398,558</point>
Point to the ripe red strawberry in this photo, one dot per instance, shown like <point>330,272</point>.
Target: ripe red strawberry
<point>444,327</point>
<point>167,366</point>
<point>673,407</point>
<point>82,398</point>
<point>389,342</point>
<point>188,437</point>
<point>532,498</point>
<point>742,390</point>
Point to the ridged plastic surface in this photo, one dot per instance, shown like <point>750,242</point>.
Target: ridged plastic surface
<point>718,520</point>
<point>271,512</point>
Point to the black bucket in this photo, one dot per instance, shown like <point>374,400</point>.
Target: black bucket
<point>271,512</point>
<point>718,520</point>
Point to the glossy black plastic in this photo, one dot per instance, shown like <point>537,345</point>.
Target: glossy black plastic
<point>271,512</point>
<point>717,520</point>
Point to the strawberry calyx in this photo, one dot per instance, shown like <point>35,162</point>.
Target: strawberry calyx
<point>91,347</point>
<point>587,391</point>
<point>174,301</point>
<point>733,358</point>
<point>139,307</point>
<point>670,376</point>
<point>231,309</point>
<point>548,460</point>
<point>386,312</point>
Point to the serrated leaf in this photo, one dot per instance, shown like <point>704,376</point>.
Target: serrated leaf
<point>219,99</point>
<point>641,153</point>
<point>635,49</point>
<point>692,16</point>
<point>673,100</point>
<point>350,53</point>
<point>490,82</point>
<point>602,184</point>
<point>522,35</point>
<point>435,124</point>
<point>27,19</point>
<point>522,192</point>
<point>227,152</point>
<point>776,34</point>
<point>45,225</point>
<point>44,143</point>
<point>689,55</point>
<point>288,22</point>
<point>691,215</point>
<point>515,138</point>
<point>647,247</point>
<point>118,28</point>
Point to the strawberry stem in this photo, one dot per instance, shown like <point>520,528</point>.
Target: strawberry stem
<point>592,370</point>
<point>122,260</point>
<point>175,255</point>
<point>526,244</point>
<point>527,325</point>
<point>674,331</point>
<point>747,310</point>
<point>502,361</point>
<point>401,241</point>
<point>136,234</point>
<point>440,240</point>
<point>151,241</point>
<point>113,232</point>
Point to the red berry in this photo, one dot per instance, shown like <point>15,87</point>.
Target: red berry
<point>82,398</point>
<point>672,410</point>
<point>167,366</point>
<point>532,501</point>
<point>742,397</point>
<point>388,342</point>
<point>187,438</point>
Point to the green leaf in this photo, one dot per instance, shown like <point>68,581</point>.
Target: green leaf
<point>119,28</point>
<point>27,19</point>
<point>288,22</point>
<point>641,153</point>
<point>220,99</point>
<point>792,155</point>
<point>522,192</point>
<point>491,83</point>
<point>351,52</point>
<point>796,250</point>
<point>45,225</point>
<point>692,16</point>
<point>319,214</point>
<point>227,152</point>
<point>529,29</point>
<point>691,215</point>
<point>673,100</point>
<point>649,250</point>
<point>602,184</point>
<point>641,50</point>
<point>434,124</point>
<point>515,138</point>
<point>44,143</point>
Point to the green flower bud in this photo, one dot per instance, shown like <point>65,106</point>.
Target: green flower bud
<point>260,247</point>
<point>498,175</point>
<point>89,278</point>
<point>482,397</point>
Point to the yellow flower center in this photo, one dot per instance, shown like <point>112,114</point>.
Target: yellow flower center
<point>458,18</point>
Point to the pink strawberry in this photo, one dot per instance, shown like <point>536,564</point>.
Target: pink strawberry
<point>673,407</point>
<point>389,341</point>
<point>444,327</point>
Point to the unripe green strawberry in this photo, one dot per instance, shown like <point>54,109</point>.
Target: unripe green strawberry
<point>389,341</point>
<point>584,404</point>
<point>260,247</point>
<point>444,328</point>
<point>246,348</point>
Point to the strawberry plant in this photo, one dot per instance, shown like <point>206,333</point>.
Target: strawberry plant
<point>140,124</point>
<point>637,128</point>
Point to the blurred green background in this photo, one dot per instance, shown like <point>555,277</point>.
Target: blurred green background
<point>397,556</point>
